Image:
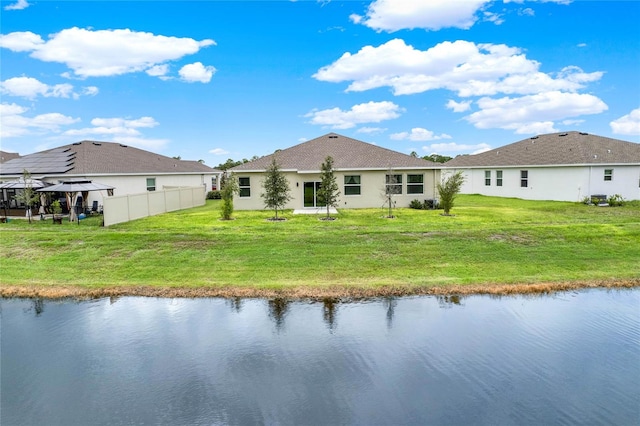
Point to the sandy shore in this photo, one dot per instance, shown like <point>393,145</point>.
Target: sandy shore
<point>304,292</point>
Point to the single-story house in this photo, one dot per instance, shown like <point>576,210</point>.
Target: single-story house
<point>566,166</point>
<point>129,170</point>
<point>364,172</point>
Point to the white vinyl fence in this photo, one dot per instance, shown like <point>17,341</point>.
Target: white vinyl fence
<point>135,206</point>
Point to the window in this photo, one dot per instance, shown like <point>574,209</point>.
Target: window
<point>151,184</point>
<point>524,178</point>
<point>393,184</point>
<point>415,184</point>
<point>498,177</point>
<point>608,174</point>
<point>244,184</point>
<point>352,185</point>
<point>487,177</point>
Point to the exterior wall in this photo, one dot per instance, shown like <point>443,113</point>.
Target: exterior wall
<point>127,185</point>
<point>561,183</point>
<point>124,208</point>
<point>372,189</point>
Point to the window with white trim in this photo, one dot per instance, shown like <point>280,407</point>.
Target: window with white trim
<point>352,185</point>
<point>415,184</point>
<point>498,177</point>
<point>608,174</point>
<point>487,177</point>
<point>393,184</point>
<point>244,186</point>
<point>524,178</point>
<point>151,184</point>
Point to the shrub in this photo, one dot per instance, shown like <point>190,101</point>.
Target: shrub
<point>214,195</point>
<point>616,200</point>
<point>416,204</point>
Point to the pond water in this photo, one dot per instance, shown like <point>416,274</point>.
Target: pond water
<point>570,358</point>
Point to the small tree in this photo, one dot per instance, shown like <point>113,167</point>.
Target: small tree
<point>229,185</point>
<point>393,186</point>
<point>448,189</point>
<point>28,195</point>
<point>276,188</point>
<point>329,192</point>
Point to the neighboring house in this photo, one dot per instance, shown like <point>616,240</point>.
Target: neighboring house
<point>567,166</point>
<point>130,170</point>
<point>364,172</point>
<point>6,156</point>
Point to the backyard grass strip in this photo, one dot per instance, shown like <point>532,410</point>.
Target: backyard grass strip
<point>491,245</point>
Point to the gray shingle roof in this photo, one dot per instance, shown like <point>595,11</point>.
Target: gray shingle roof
<point>90,157</point>
<point>565,148</point>
<point>347,153</point>
<point>6,156</point>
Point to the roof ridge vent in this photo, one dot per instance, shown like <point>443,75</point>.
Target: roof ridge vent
<point>533,137</point>
<point>77,143</point>
<point>333,137</point>
<point>97,143</point>
<point>584,133</point>
<point>124,146</point>
<point>563,134</point>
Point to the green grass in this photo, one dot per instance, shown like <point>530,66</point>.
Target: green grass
<point>487,241</point>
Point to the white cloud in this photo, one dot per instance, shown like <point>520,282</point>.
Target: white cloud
<point>22,41</point>
<point>493,17</point>
<point>19,5</point>
<point>440,148</point>
<point>370,112</point>
<point>104,52</point>
<point>122,122</point>
<point>533,113</point>
<point>371,130</point>
<point>395,15</point>
<point>419,134</point>
<point>218,151</point>
<point>158,70</point>
<point>458,106</point>
<point>463,67</point>
<point>527,12</point>
<point>121,130</point>
<point>14,123</point>
<point>90,90</point>
<point>572,122</point>
<point>196,73</point>
<point>627,124</point>
<point>30,88</point>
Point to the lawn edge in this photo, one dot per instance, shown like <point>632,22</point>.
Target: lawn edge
<point>306,292</point>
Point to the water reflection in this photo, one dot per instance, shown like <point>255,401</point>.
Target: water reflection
<point>450,301</point>
<point>571,358</point>
<point>390,304</point>
<point>278,308</point>
<point>235,303</point>
<point>329,307</point>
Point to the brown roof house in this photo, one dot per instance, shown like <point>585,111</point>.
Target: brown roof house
<point>129,170</point>
<point>364,173</point>
<point>567,166</point>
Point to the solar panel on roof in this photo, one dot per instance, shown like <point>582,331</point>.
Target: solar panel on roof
<point>55,161</point>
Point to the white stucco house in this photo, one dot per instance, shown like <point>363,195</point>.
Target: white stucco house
<point>566,166</point>
<point>364,173</point>
<point>129,170</point>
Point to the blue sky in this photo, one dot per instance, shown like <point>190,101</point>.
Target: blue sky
<point>213,80</point>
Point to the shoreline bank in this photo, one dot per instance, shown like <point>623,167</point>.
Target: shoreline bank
<point>303,292</point>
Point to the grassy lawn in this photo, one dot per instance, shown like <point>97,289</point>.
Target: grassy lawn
<point>489,241</point>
